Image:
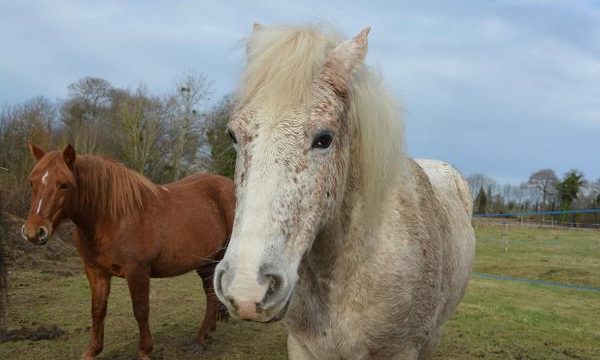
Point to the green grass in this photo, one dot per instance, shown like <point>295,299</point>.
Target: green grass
<point>505,320</point>
<point>176,312</point>
<point>565,255</point>
<point>496,320</point>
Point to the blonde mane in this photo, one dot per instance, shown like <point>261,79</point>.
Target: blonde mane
<point>282,64</point>
<point>109,188</point>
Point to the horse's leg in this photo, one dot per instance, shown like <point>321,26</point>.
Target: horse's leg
<point>431,344</point>
<point>100,288</point>
<point>212,306</point>
<point>138,281</point>
<point>409,352</point>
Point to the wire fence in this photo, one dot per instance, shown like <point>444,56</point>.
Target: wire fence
<point>524,247</point>
<point>542,219</point>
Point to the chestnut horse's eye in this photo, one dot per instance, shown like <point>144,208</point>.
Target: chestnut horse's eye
<point>231,136</point>
<point>322,140</point>
<point>63,186</point>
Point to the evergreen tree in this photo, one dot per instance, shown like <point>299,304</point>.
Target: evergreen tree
<point>568,189</point>
<point>481,201</point>
<point>222,152</point>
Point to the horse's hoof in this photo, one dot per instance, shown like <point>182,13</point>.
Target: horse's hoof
<point>86,356</point>
<point>141,356</point>
<point>198,347</point>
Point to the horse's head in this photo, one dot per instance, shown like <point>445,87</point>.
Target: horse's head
<point>291,170</point>
<point>53,191</point>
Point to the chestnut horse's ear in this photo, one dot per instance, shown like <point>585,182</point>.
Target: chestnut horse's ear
<point>36,151</point>
<point>69,155</point>
<point>344,60</point>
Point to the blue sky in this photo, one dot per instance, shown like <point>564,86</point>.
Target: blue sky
<point>498,87</point>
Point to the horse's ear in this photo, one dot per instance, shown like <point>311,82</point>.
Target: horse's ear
<point>344,60</point>
<point>69,155</point>
<point>36,151</point>
<point>256,27</point>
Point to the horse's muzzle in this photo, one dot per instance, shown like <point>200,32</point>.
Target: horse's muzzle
<point>39,237</point>
<point>262,297</point>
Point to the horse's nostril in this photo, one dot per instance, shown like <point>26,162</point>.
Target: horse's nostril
<point>275,282</point>
<point>218,281</point>
<point>275,285</point>
<point>42,233</point>
<point>219,278</point>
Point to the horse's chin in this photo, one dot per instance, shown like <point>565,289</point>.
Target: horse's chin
<point>39,242</point>
<point>281,314</point>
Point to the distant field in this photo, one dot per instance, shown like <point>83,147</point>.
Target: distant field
<point>556,254</point>
<point>497,319</point>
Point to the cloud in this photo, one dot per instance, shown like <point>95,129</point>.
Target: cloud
<point>500,87</point>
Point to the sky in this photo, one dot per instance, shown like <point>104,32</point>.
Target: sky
<point>501,88</point>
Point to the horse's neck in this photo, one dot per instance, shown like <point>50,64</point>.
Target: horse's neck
<point>85,216</point>
<point>85,224</point>
<point>345,240</point>
<point>86,219</point>
<point>355,233</point>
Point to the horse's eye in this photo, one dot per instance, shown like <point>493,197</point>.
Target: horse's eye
<point>231,136</point>
<point>63,186</point>
<point>322,140</point>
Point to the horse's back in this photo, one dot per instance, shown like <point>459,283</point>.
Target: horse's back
<point>201,189</point>
<point>202,178</point>
<point>447,181</point>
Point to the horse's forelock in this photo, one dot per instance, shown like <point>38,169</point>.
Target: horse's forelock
<point>54,162</point>
<point>282,64</point>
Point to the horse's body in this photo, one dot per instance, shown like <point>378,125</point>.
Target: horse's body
<point>412,274</point>
<point>127,226</point>
<point>362,251</point>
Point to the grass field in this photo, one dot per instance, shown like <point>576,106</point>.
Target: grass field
<point>496,320</point>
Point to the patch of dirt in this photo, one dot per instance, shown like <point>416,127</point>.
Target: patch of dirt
<point>26,333</point>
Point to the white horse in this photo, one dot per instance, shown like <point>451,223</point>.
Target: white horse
<point>363,252</point>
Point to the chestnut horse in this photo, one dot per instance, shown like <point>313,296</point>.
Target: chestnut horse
<point>126,226</point>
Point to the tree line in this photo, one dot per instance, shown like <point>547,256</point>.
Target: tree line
<point>169,136</point>
<point>165,137</point>
<point>543,191</point>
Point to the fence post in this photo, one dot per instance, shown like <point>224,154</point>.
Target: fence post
<point>505,236</point>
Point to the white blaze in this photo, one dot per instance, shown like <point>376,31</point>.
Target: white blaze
<point>45,182</point>
<point>39,205</point>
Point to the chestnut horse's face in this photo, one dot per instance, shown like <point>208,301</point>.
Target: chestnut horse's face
<point>53,188</point>
<point>290,180</point>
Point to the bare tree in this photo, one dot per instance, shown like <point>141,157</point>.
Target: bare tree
<point>85,112</point>
<point>185,136</point>
<point>544,181</point>
<point>137,116</point>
